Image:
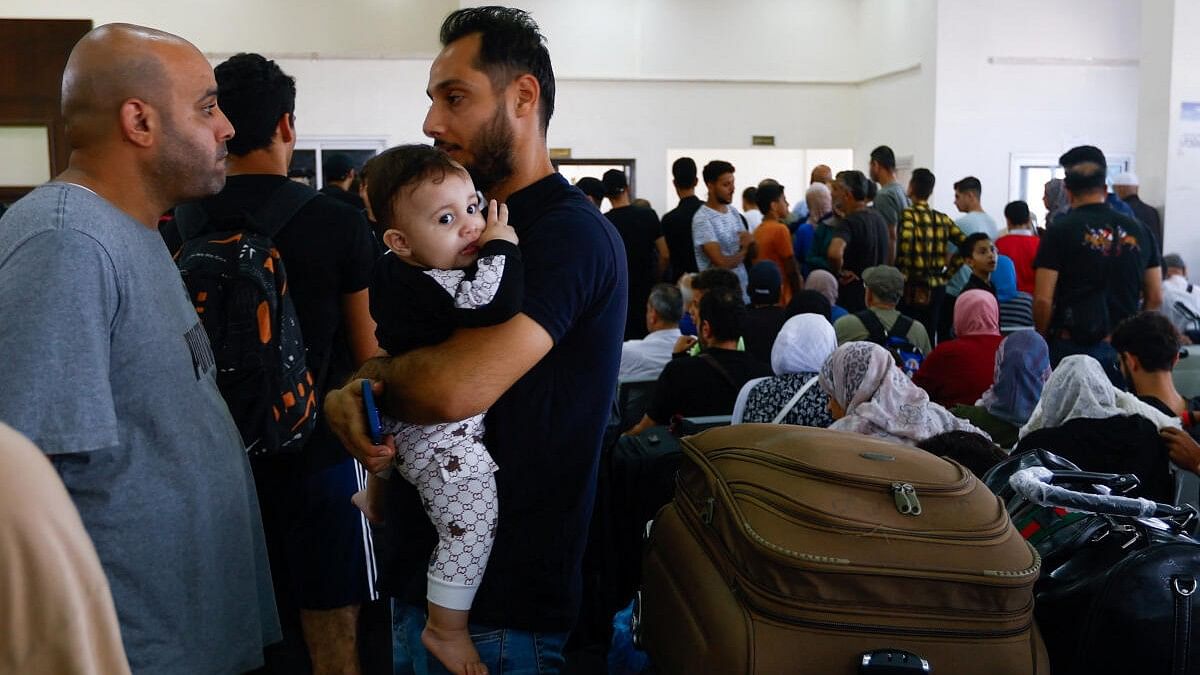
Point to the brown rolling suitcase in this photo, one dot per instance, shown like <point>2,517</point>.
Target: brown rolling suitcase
<point>796,550</point>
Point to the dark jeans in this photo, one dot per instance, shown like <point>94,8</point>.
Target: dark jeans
<point>1061,348</point>
<point>504,651</point>
<point>929,314</point>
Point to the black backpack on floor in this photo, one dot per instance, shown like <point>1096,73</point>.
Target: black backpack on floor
<point>238,285</point>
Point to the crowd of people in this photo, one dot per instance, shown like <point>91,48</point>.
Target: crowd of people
<point>492,312</point>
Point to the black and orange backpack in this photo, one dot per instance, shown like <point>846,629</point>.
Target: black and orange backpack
<point>239,287</point>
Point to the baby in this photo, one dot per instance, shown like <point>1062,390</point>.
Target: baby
<point>446,267</point>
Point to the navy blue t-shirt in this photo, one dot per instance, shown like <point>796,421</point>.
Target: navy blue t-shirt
<point>545,431</point>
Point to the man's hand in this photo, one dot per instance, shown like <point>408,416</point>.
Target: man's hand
<point>683,343</point>
<point>1184,449</point>
<point>745,238</point>
<point>346,417</point>
<point>497,226</point>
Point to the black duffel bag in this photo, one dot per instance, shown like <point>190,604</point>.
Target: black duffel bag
<point>1119,576</point>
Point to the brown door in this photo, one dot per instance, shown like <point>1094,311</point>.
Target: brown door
<point>33,53</point>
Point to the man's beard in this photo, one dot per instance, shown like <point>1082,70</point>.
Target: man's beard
<point>726,201</point>
<point>185,172</point>
<point>491,153</point>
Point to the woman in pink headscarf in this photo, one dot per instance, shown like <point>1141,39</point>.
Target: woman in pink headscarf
<point>958,371</point>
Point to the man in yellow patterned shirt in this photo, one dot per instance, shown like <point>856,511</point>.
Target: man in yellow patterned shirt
<point>926,242</point>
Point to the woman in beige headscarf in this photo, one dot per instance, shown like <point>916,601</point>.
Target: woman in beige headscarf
<point>56,611</point>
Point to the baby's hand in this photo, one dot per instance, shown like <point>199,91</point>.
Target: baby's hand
<point>497,226</point>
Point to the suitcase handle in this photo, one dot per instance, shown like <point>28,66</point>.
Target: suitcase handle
<point>1117,482</point>
<point>1036,485</point>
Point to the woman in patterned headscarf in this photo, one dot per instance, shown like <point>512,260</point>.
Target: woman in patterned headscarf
<point>791,397</point>
<point>1022,368</point>
<point>1055,200</point>
<point>869,395</point>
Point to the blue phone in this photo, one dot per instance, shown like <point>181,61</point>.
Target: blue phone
<point>374,426</point>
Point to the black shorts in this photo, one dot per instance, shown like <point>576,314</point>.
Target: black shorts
<point>319,543</point>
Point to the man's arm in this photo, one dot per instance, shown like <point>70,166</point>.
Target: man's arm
<point>453,380</point>
<point>892,238</point>
<point>664,257</point>
<point>792,273</point>
<point>1152,292</point>
<point>835,254</point>
<point>1043,299</point>
<point>360,327</point>
<point>713,250</point>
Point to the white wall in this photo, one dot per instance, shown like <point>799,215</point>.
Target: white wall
<point>1182,189</point>
<point>360,28</point>
<point>897,110</point>
<point>987,111</point>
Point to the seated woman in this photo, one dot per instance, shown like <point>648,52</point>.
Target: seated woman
<point>800,350</point>
<point>958,371</point>
<point>1022,368</point>
<point>823,282</point>
<point>977,453</point>
<point>1085,419</point>
<point>1016,307</point>
<point>869,394</point>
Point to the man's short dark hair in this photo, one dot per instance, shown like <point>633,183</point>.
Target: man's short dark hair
<point>856,182</point>
<point>766,195</point>
<point>714,278</point>
<point>922,183</point>
<point>969,184</point>
<point>809,302</point>
<point>1151,337</point>
<point>401,167</point>
<point>511,45</point>
<point>1017,212</point>
<point>750,194</point>
<point>615,182</point>
<point>591,187</point>
<point>715,169</point>
<point>254,93</point>
<point>683,172</point>
<point>884,157</point>
<point>667,302</point>
<point>968,245</point>
<point>1085,178</point>
<point>974,451</point>
<point>1083,153</point>
<point>723,310</point>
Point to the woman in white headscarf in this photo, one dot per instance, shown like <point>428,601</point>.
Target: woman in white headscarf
<point>869,395</point>
<point>1086,420</point>
<point>791,397</point>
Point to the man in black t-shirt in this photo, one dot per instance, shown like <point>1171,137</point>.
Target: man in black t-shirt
<point>1093,268</point>
<point>677,223</point>
<point>339,172</point>
<point>546,377</point>
<point>707,384</point>
<point>315,538</point>
<point>859,242</point>
<point>646,254</point>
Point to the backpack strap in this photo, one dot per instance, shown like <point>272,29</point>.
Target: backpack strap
<point>712,361</point>
<point>282,205</point>
<point>902,326</point>
<point>284,202</point>
<point>875,329</point>
<point>787,408</point>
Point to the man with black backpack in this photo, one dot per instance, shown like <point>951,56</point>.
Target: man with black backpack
<point>310,310</point>
<point>882,324</point>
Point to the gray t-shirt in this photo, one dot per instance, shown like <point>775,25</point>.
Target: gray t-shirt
<point>108,370</point>
<point>709,225</point>
<point>890,201</point>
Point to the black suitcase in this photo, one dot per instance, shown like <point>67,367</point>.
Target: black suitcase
<point>1119,576</point>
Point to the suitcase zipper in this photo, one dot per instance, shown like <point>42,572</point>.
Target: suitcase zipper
<point>906,499</point>
<point>780,462</point>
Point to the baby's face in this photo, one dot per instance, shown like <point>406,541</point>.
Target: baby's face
<point>441,223</point>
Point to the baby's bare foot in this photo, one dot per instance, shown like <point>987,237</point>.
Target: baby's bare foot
<point>362,500</point>
<point>454,649</point>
